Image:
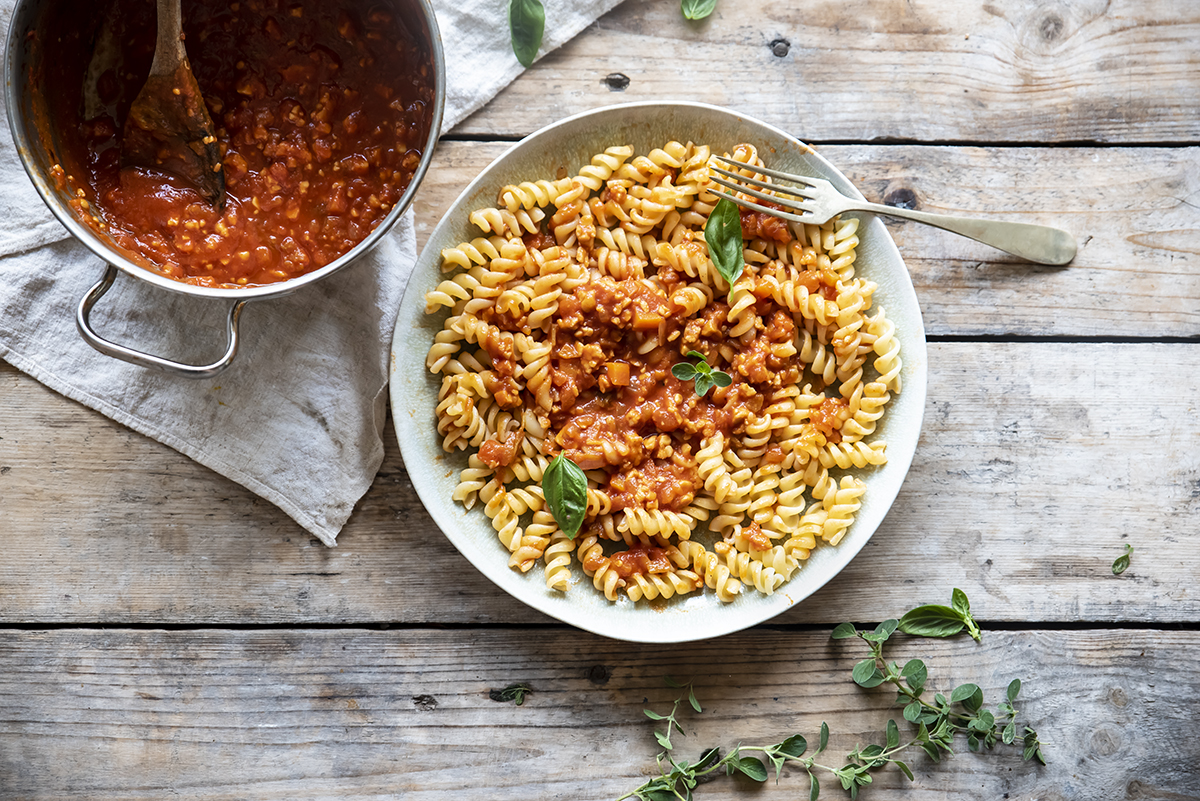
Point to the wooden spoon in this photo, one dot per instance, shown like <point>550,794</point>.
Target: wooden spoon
<point>168,127</point>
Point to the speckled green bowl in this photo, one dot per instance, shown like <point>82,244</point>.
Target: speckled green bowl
<point>570,144</point>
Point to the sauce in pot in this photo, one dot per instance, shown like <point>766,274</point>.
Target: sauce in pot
<point>321,109</point>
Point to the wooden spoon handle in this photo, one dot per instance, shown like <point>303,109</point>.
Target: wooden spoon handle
<point>169,52</point>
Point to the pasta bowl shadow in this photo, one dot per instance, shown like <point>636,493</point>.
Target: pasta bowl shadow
<point>562,149</point>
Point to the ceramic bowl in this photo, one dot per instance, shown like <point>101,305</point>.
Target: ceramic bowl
<point>571,144</point>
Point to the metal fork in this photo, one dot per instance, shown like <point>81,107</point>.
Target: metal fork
<point>819,202</point>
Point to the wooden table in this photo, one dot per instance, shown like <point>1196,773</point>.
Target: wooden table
<point>166,633</point>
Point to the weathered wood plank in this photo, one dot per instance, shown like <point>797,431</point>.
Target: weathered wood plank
<point>139,715</point>
<point>1134,211</point>
<point>928,70</point>
<point>1037,462</point>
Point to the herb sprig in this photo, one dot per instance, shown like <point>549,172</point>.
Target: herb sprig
<point>937,725</point>
<point>934,620</point>
<point>665,739</point>
<point>705,376</point>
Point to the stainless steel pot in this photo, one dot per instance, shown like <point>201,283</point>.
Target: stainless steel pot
<point>29,120</point>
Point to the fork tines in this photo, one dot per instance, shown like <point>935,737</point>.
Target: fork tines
<point>776,199</point>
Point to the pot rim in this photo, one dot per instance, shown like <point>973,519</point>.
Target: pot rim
<point>16,90</point>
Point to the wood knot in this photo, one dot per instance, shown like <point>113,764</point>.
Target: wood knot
<point>1051,27</point>
<point>599,674</point>
<point>902,198</point>
<point>1105,741</point>
<point>425,703</point>
<point>780,47</point>
<point>616,81</point>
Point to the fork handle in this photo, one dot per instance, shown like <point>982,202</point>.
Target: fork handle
<point>1040,244</point>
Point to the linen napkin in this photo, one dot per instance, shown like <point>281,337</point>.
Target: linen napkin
<point>298,418</point>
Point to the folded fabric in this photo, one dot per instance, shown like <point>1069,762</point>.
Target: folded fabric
<point>298,418</point>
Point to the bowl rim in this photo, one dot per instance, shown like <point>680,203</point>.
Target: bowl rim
<point>17,91</point>
<point>491,565</point>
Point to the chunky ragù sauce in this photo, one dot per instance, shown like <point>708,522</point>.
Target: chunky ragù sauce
<point>321,109</point>
<point>619,408</point>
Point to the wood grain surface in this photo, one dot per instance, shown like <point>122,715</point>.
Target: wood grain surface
<point>1030,72</point>
<point>124,715</point>
<point>1037,463</point>
<point>165,633</point>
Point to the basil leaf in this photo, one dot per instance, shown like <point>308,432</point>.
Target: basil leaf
<point>752,767</point>
<point>723,235</point>
<point>695,354</point>
<point>893,734</point>
<point>932,621</point>
<point>721,378</point>
<point>698,9</point>
<point>684,371</point>
<point>824,737</point>
<point>815,792</point>
<point>527,21</point>
<point>958,599</point>
<point>904,769</point>
<point>565,488</point>
<point>703,384</point>
<point>1014,687</point>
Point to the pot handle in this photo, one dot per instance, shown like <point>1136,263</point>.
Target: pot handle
<point>123,353</point>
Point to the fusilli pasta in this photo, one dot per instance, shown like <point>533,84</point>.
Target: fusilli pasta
<point>563,319</point>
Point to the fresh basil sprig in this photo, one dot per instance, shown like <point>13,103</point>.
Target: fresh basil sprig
<point>1122,563</point>
<point>705,377</point>
<point>935,620</point>
<point>698,9</point>
<point>723,234</point>
<point>527,21</point>
<point>565,488</point>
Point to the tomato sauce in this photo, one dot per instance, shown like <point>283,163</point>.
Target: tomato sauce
<point>321,111</point>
